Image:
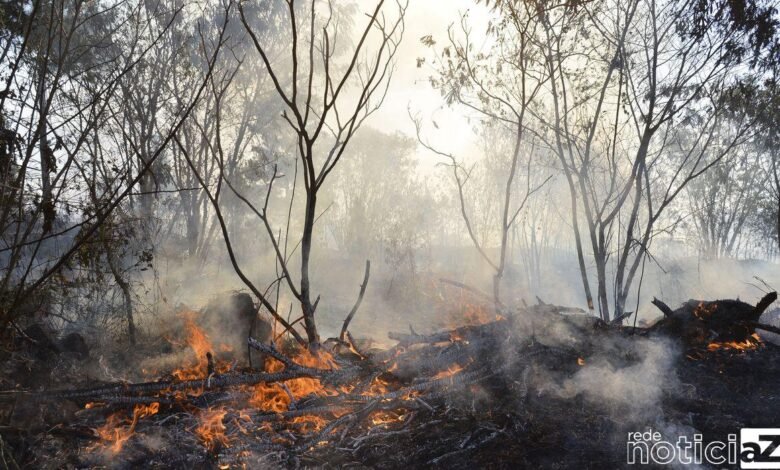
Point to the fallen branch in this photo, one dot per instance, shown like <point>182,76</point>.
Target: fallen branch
<point>765,327</point>
<point>764,303</point>
<point>468,288</point>
<point>212,383</point>
<point>662,307</point>
<point>619,319</point>
<point>271,350</point>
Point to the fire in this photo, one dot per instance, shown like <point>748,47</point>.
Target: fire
<point>309,423</point>
<point>386,417</point>
<point>270,398</point>
<point>118,430</point>
<point>468,310</point>
<point>479,315</point>
<point>702,311</point>
<point>199,342</point>
<point>277,398</point>
<point>114,434</point>
<point>211,430</point>
<point>242,421</point>
<point>378,387</point>
<point>750,343</point>
<point>142,411</point>
<point>456,337</point>
<point>580,361</point>
<point>452,370</point>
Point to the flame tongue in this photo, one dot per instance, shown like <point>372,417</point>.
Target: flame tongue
<point>114,434</point>
<point>452,370</point>
<point>752,342</point>
<point>118,430</point>
<point>200,344</point>
<point>211,430</point>
<point>216,427</point>
<point>275,398</point>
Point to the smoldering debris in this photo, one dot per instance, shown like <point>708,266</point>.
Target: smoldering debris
<point>486,392</point>
<point>637,388</point>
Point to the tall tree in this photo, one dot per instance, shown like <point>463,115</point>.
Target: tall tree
<point>325,103</point>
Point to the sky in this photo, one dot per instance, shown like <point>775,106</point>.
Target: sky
<point>410,88</point>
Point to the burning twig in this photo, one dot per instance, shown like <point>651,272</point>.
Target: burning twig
<point>216,383</point>
<point>271,350</point>
<point>125,400</point>
<point>305,406</point>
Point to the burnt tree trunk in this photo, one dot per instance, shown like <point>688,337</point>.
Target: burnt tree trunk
<point>776,177</point>
<point>124,286</point>
<point>308,227</point>
<point>47,159</point>
<point>698,323</point>
<point>778,218</point>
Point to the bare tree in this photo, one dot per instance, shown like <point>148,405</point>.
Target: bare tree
<point>619,175</point>
<point>324,105</point>
<point>90,49</point>
<point>501,86</point>
<point>763,104</point>
<point>723,201</point>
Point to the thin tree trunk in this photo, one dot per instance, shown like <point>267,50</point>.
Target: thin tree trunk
<point>47,160</point>
<point>306,305</point>
<point>505,222</point>
<point>778,221</point>
<point>601,272</point>
<point>124,286</point>
<point>777,189</point>
<point>572,191</point>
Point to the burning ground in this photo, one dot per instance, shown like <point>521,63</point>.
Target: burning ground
<point>543,386</point>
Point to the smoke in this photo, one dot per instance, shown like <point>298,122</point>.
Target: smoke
<point>671,432</point>
<point>389,201</point>
<point>620,383</point>
<point>771,317</point>
<point>633,391</point>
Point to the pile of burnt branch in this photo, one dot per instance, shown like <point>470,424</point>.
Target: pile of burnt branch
<point>491,393</point>
<point>722,323</point>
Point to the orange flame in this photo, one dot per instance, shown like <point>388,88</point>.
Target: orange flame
<point>750,343</point>
<point>452,370</point>
<point>386,417</point>
<point>456,337</point>
<point>211,430</point>
<point>702,312</point>
<point>275,399</point>
<point>478,315</point>
<point>378,387</point>
<point>117,430</point>
<point>113,433</point>
<point>309,423</point>
<point>200,344</point>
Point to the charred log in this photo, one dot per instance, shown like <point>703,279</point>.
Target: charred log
<point>699,323</point>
